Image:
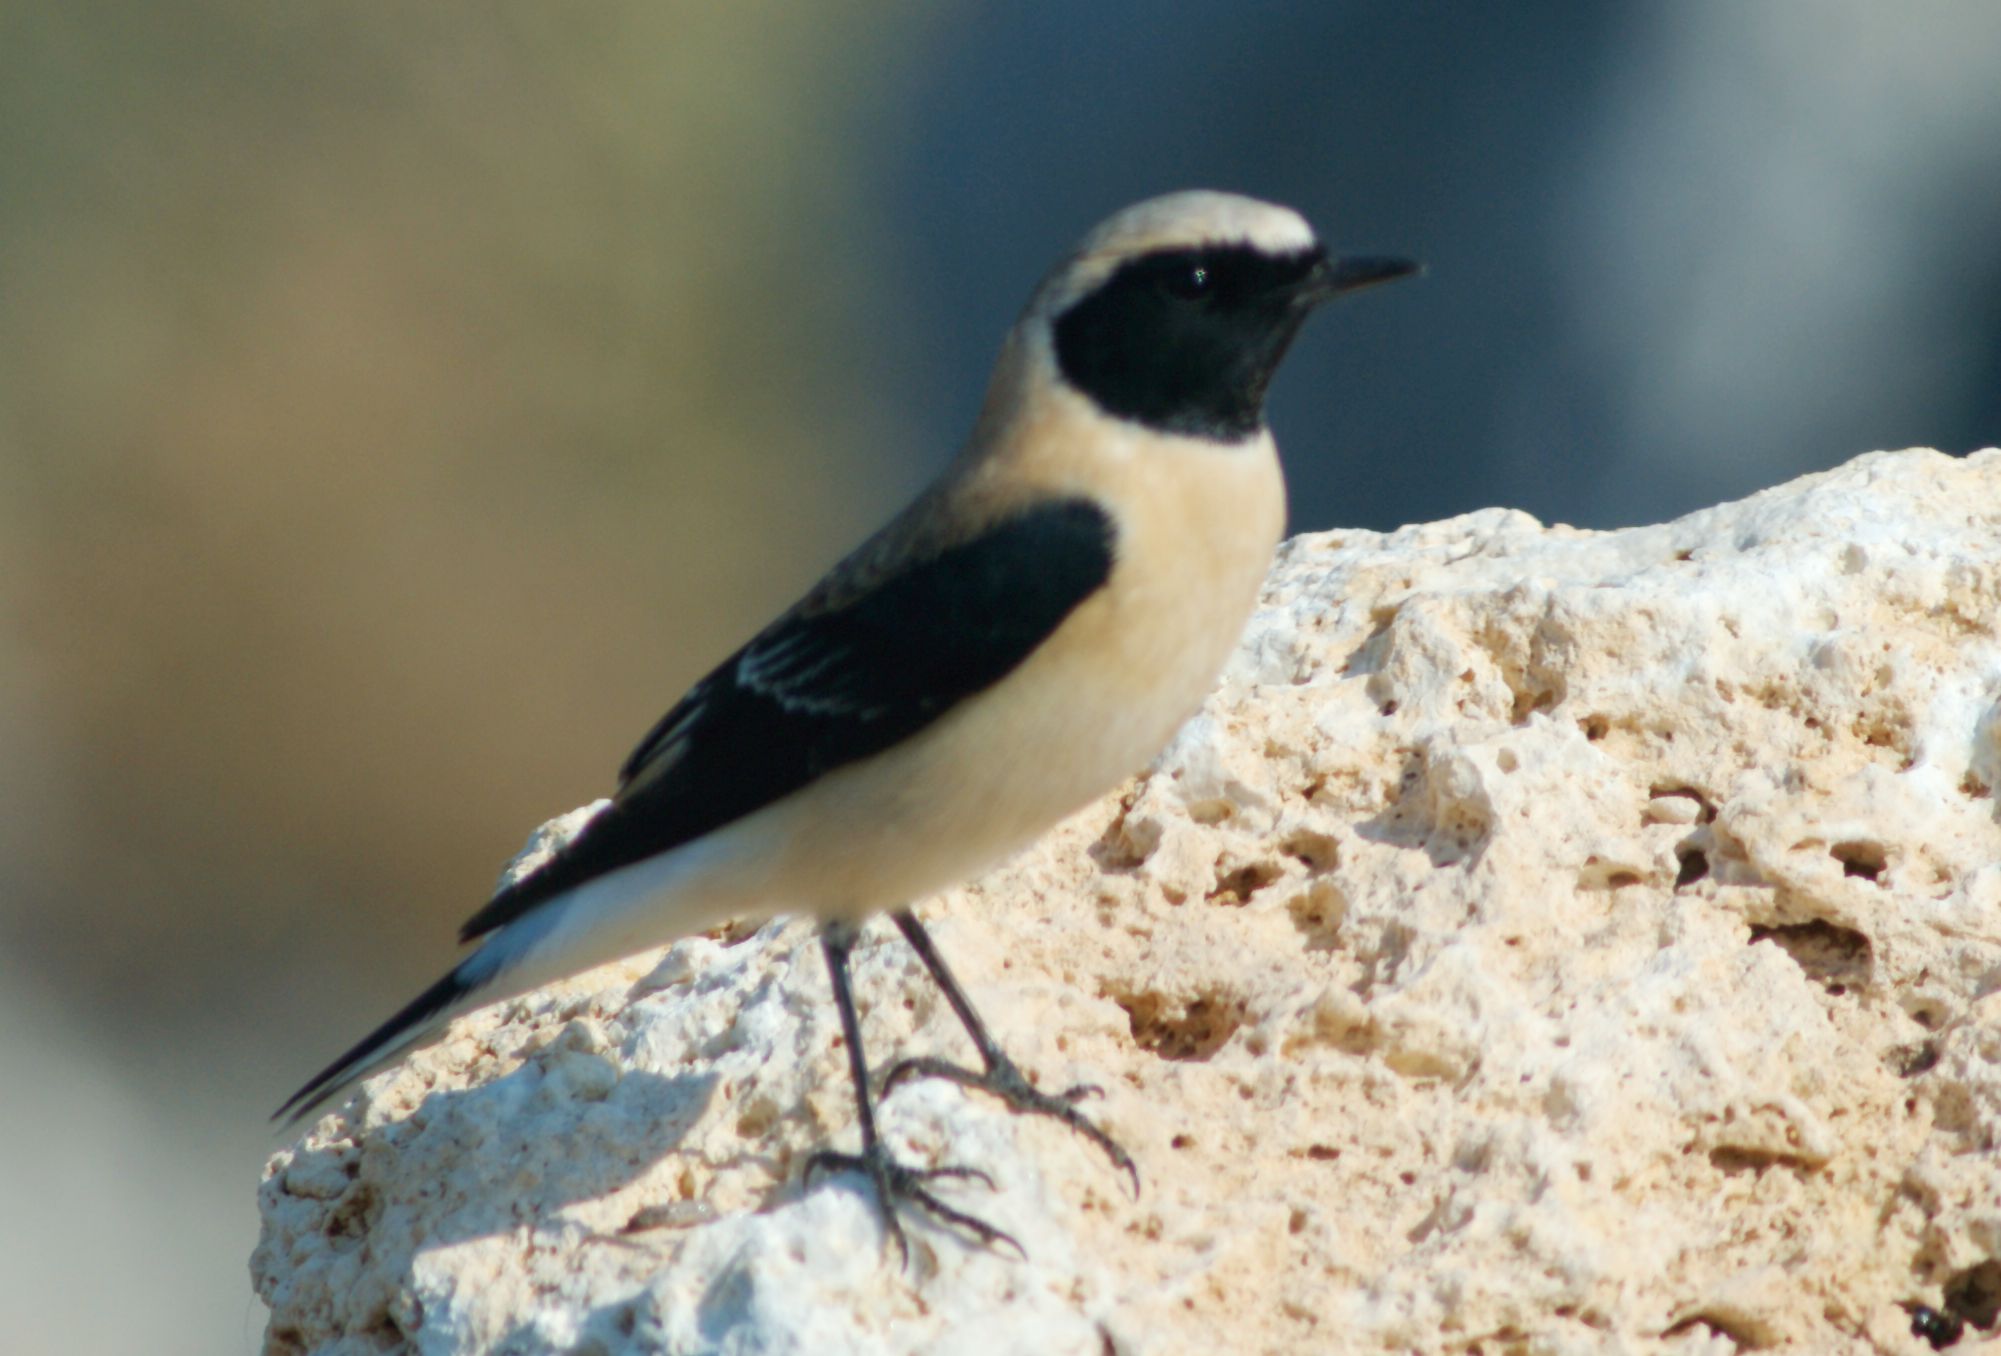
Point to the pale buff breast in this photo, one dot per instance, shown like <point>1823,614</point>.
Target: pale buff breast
<point>1198,522</point>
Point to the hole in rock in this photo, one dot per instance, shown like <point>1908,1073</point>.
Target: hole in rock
<point>1866,860</point>
<point>1975,1294</point>
<point>1836,958</point>
<point>1318,912</point>
<point>1237,885</point>
<point>1694,866</point>
<point>1211,812</point>
<point>355,1215</point>
<point>1318,851</point>
<point>1705,807</point>
<point>1528,700</point>
<point>1181,1030</point>
<point>1118,850</point>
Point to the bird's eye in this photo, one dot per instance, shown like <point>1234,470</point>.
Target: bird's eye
<point>1189,283</point>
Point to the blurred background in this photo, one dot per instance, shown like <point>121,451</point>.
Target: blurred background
<point>398,406</point>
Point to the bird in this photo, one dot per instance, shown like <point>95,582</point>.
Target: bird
<point>1026,634</point>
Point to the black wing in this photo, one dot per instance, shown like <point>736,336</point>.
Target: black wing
<point>822,687</point>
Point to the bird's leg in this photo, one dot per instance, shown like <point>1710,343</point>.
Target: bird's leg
<point>894,1181</point>
<point>1003,1078</point>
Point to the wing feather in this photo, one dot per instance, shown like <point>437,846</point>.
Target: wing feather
<point>825,686</point>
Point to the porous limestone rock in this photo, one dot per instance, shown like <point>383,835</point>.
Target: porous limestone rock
<point>1544,941</point>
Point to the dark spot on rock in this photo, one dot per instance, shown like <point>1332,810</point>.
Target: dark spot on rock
<point>1735,1159</point>
<point>1318,912</point>
<point>1941,1330</point>
<point>1911,1060</point>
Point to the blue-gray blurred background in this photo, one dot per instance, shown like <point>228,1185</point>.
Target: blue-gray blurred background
<point>398,406</point>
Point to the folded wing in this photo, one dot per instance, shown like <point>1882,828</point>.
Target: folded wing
<point>828,685</point>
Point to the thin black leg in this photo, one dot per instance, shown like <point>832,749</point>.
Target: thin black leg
<point>837,941</point>
<point>893,1180</point>
<point>1003,1078</point>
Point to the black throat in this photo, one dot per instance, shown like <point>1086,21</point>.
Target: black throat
<point>1185,341</point>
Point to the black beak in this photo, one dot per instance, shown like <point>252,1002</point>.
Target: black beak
<point>1332,277</point>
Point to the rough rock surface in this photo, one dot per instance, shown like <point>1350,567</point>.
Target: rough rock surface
<point>1545,941</point>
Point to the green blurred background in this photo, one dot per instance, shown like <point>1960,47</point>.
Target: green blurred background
<point>399,406</point>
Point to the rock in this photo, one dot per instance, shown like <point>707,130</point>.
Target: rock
<point>1545,940</point>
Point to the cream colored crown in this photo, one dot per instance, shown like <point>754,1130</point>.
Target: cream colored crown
<point>1184,220</point>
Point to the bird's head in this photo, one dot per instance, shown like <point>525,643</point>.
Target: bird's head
<point>1175,312</point>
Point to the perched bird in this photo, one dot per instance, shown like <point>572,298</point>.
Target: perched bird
<point>1027,633</point>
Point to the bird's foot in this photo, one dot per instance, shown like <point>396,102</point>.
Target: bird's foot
<point>1005,1080</point>
<point>898,1182</point>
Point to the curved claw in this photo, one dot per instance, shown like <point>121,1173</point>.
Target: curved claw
<point>1120,1158</point>
<point>826,1160</point>
<point>1006,1081</point>
<point>924,1066</point>
<point>896,1181</point>
<point>960,1171</point>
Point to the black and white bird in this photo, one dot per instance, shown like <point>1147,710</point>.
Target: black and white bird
<point>1025,635</point>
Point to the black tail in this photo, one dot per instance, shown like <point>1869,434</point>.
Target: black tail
<point>377,1047</point>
